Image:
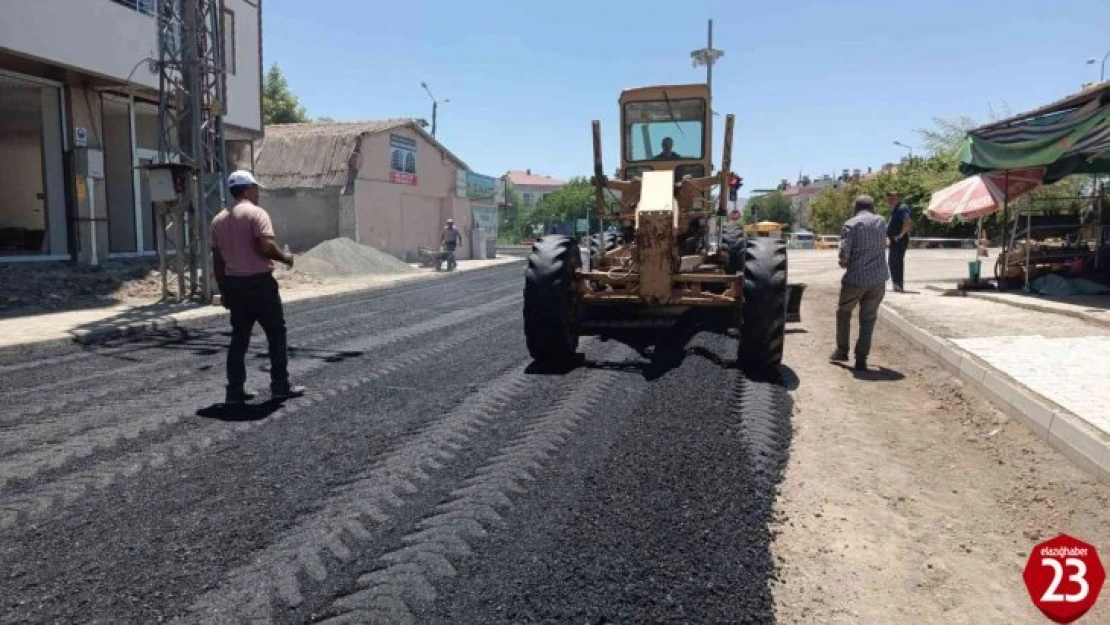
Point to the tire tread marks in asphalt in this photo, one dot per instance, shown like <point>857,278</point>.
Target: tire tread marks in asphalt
<point>274,575</point>
<point>124,387</point>
<point>406,582</point>
<point>763,413</point>
<point>30,358</point>
<point>42,499</point>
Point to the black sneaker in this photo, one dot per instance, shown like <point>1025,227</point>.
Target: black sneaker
<point>287,392</point>
<point>838,356</point>
<point>861,365</point>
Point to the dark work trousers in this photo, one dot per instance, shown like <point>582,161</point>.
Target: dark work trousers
<point>250,299</point>
<point>868,297</point>
<point>897,260</point>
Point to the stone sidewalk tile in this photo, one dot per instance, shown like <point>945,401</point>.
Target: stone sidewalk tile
<point>1083,442</point>
<point>102,324</point>
<point>1091,308</point>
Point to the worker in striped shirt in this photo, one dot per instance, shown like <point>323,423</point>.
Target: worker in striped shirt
<point>863,257</point>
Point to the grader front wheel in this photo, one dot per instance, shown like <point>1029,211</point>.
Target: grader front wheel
<point>763,326</point>
<point>551,326</point>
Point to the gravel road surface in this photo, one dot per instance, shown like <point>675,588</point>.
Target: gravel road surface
<point>431,475</point>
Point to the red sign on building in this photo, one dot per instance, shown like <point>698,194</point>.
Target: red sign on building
<point>400,177</point>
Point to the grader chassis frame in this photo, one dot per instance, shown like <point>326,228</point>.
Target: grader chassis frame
<point>663,262</point>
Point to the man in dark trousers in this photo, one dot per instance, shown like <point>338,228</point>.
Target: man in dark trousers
<point>243,255</point>
<point>862,247</point>
<point>450,240</point>
<point>898,233</point>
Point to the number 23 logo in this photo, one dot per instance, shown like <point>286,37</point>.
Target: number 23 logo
<point>1051,594</point>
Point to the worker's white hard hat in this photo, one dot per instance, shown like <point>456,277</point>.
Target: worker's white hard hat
<point>243,178</point>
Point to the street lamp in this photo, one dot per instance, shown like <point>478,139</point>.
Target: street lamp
<point>899,143</point>
<point>435,106</point>
<point>1102,72</point>
<point>707,56</point>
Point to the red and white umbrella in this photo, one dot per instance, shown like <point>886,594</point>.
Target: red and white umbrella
<point>982,194</point>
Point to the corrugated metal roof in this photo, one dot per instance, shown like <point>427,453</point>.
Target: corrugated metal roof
<point>318,155</point>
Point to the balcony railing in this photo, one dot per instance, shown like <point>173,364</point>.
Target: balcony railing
<point>146,7</point>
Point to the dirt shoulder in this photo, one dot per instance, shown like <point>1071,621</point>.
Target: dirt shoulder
<point>910,499</point>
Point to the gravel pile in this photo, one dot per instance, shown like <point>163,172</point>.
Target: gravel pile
<point>344,257</point>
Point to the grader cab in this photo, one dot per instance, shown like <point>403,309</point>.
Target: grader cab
<point>664,259</point>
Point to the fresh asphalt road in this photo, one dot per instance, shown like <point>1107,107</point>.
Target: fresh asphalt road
<point>430,475</point>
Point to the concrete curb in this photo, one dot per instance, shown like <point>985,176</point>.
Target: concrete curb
<point>1027,305</point>
<point>1067,433</point>
<point>205,315</point>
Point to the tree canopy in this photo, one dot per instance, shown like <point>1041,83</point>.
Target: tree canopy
<point>279,104</point>
<point>916,179</point>
<point>773,206</point>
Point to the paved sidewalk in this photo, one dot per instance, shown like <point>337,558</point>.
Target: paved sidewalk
<point>1092,308</point>
<point>1045,364</point>
<point>90,326</point>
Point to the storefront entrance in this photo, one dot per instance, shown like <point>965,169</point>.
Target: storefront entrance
<point>32,174</point>
<point>131,134</point>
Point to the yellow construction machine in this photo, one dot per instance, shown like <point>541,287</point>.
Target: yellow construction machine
<point>653,255</point>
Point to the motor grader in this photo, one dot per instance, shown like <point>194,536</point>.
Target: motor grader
<point>665,260</point>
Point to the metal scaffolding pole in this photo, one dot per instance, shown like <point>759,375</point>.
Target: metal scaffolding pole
<point>191,107</point>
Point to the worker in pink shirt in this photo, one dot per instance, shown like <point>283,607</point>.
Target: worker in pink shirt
<point>243,254</point>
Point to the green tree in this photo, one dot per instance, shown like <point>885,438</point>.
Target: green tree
<point>512,229</point>
<point>774,206</point>
<point>279,104</point>
<point>829,210</point>
<point>573,201</point>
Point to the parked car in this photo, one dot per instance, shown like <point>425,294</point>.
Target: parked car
<point>801,240</point>
<point>828,242</point>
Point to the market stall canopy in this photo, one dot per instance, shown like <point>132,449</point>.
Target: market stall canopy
<point>982,194</point>
<point>1071,136</point>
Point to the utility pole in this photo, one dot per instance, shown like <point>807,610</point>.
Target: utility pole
<point>192,104</point>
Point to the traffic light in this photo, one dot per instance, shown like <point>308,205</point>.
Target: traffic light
<point>734,184</point>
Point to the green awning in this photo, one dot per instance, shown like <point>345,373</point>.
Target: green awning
<point>1068,137</point>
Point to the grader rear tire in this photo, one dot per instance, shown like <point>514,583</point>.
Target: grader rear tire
<point>551,325</point>
<point>763,327</point>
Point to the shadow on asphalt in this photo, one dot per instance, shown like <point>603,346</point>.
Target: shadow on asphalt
<point>873,374</point>
<point>241,413</point>
<point>661,354</point>
<point>205,343</point>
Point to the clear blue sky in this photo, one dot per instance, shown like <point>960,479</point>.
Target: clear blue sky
<point>816,85</point>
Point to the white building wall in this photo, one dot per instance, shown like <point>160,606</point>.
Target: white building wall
<point>112,41</point>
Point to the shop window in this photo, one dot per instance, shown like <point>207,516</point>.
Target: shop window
<point>227,30</point>
<point>32,196</point>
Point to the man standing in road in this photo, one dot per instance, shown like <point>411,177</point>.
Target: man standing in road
<point>450,240</point>
<point>243,255</point>
<point>862,250</point>
<point>898,232</point>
